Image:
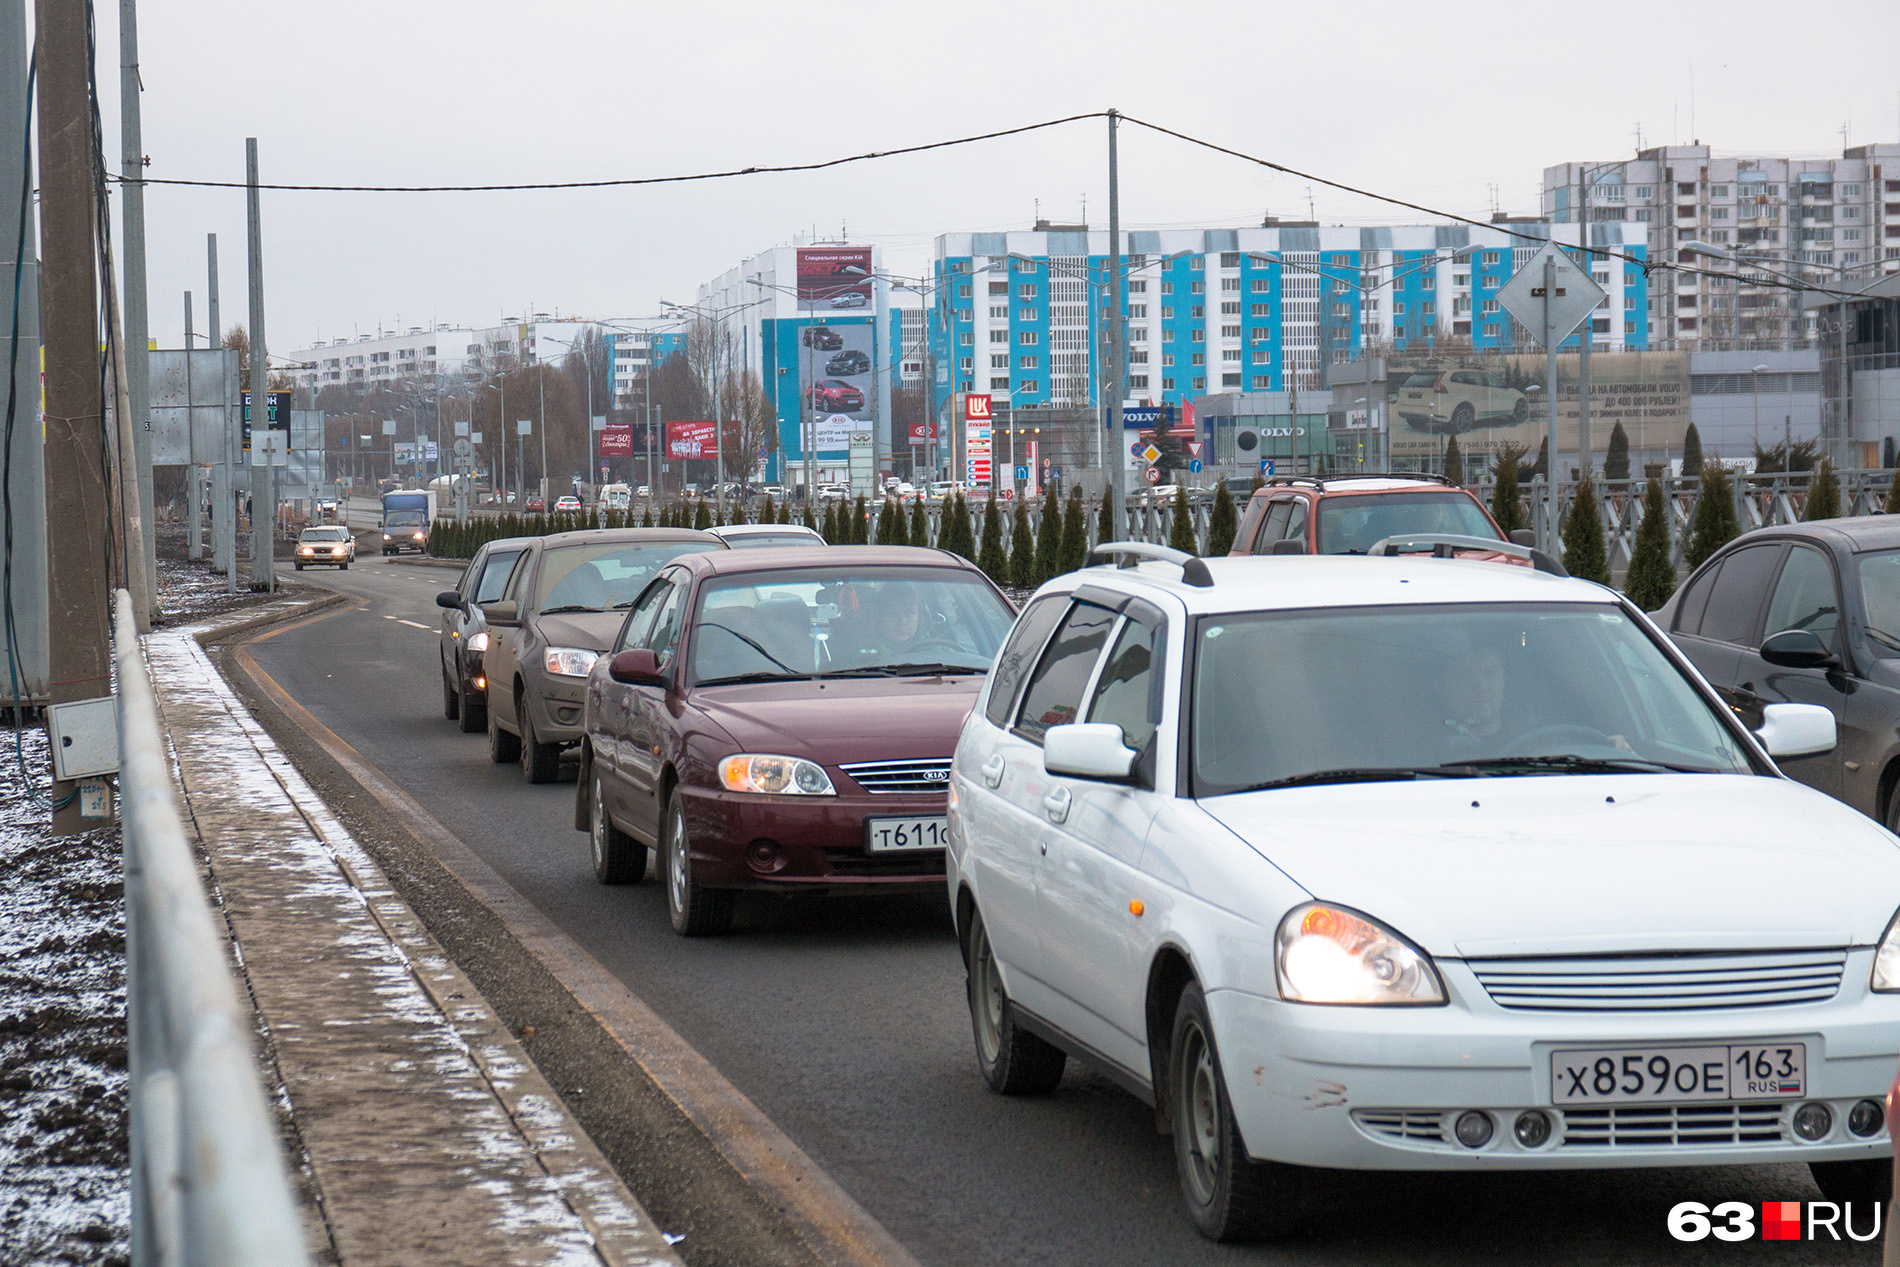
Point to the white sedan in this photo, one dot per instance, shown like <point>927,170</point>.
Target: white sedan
<point>1414,864</point>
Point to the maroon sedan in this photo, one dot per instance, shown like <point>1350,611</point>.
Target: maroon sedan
<point>783,719</point>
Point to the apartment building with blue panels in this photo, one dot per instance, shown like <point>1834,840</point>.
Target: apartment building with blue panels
<point>1024,315</point>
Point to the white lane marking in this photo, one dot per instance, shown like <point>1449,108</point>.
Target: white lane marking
<point>413,625</point>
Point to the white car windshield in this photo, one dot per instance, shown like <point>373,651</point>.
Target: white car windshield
<point>860,622</point>
<point>325,534</point>
<point>1393,693</point>
<point>1355,523</point>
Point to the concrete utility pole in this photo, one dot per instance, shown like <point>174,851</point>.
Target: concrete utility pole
<point>194,505</point>
<point>78,519</point>
<point>1589,335</point>
<point>263,507</point>
<point>138,372</point>
<point>223,475</point>
<point>1547,523</point>
<point>24,679</point>
<point>1115,449</point>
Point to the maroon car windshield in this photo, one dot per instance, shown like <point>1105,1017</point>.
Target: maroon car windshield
<point>1354,524</point>
<point>604,576</point>
<point>846,622</point>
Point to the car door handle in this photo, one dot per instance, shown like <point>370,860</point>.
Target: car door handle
<point>993,769</point>
<point>1055,803</point>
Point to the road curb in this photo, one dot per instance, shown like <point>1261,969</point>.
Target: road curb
<point>837,1230</point>
<point>277,611</point>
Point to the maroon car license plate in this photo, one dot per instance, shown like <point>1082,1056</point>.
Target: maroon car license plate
<point>904,835</point>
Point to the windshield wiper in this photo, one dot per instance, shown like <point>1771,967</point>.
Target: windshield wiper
<point>1361,774</point>
<point>1571,763</point>
<point>762,676</point>
<point>570,607</point>
<point>921,670</point>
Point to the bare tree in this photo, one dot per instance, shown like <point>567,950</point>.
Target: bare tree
<point>589,367</point>
<point>751,423</point>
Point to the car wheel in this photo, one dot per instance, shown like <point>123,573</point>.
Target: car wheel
<point>1013,1061</point>
<point>1864,1183</point>
<point>1462,417</point>
<point>541,762</point>
<point>342,567</point>
<point>1229,1196</point>
<point>618,857</point>
<point>503,746</point>
<point>474,712</point>
<point>451,698</point>
<point>300,567</point>
<point>696,911</point>
<point>1520,410</point>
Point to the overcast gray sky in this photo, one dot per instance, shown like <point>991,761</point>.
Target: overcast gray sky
<point>1440,104</point>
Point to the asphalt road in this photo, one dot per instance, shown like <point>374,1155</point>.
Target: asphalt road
<point>845,1022</point>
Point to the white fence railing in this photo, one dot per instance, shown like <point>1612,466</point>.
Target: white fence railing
<point>209,1186</point>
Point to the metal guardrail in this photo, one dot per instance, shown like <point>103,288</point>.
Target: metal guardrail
<point>209,1185</point>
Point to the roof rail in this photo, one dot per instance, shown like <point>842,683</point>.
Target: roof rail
<point>1126,554</point>
<point>1447,545</point>
<point>1320,482</point>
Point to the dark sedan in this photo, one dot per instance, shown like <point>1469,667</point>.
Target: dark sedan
<point>1808,614</point>
<point>783,719</point>
<point>464,636</point>
<point>850,361</point>
<point>821,338</point>
<point>557,613</point>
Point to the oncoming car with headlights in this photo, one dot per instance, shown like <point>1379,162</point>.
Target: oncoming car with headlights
<point>782,719</point>
<point>1413,864</point>
<point>557,612</point>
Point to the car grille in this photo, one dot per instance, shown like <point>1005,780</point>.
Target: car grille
<point>901,776</point>
<point>1665,1125</point>
<point>1662,983</point>
<point>1406,1124</point>
<point>856,862</point>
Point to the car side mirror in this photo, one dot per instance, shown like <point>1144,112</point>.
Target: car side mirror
<point>638,666</point>
<point>1523,536</point>
<point>450,599</point>
<point>1287,546</point>
<point>1089,750</point>
<point>1796,649</point>
<point>1796,730</point>
<point>503,615</point>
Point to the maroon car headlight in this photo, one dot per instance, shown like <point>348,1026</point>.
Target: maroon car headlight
<point>774,775</point>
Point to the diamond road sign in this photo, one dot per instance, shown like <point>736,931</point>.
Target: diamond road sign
<point>1151,453</point>
<point>1574,296</point>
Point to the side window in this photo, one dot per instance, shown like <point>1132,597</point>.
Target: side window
<point>1804,597</point>
<point>1273,527</point>
<point>633,633</point>
<point>518,576</point>
<point>1054,695</point>
<point>1018,654</point>
<point>495,572</point>
<point>1128,693</point>
<point>1695,601</point>
<point>1296,522</point>
<point>1735,602</point>
<point>664,637</point>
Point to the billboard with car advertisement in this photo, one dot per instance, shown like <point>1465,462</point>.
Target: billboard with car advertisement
<point>834,383</point>
<point>834,279</point>
<point>690,440</point>
<point>1493,399</point>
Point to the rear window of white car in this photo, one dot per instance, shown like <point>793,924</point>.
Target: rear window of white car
<point>1420,691</point>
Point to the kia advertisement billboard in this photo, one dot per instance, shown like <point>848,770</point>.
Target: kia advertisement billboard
<point>690,440</point>
<point>835,357</point>
<point>834,279</point>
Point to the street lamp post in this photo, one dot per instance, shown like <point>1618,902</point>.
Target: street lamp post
<point>1754,373</point>
<point>717,317</point>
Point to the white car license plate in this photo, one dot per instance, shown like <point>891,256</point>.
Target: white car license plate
<point>903,835</point>
<point>1665,1075</point>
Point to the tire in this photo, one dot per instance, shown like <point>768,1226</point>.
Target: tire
<point>696,911</point>
<point>1012,1060</point>
<point>503,746</point>
<point>541,762</point>
<point>618,857</point>
<point>451,698</point>
<point>1864,1183</point>
<point>342,567</point>
<point>474,712</point>
<point>300,567</point>
<point>1229,1197</point>
<point>1520,410</point>
<point>1462,418</point>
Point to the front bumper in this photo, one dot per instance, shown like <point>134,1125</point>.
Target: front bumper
<point>1380,1088</point>
<point>741,840</point>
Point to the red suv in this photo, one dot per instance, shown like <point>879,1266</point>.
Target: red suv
<point>1349,514</point>
<point>835,393</point>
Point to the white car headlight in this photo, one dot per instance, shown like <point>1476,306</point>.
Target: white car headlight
<point>477,642</point>
<point>786,776</point>
<point>1328,954</point>
<point>1887,959</point>
<point>571,661</point>
<point>305,550</point>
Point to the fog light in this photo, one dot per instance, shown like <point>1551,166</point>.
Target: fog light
<point>1813,1120</point>
<point>1532,1128</point>
<point>1865,1118</point>
<point>763,855</point>
<point>1473,1129</point>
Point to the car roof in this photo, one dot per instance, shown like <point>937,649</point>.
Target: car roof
<point>1330,485</point>
<point>758,530</point>
<point>780,558</point>
<point>1863,532</point>
<point>1298,581</point>
<point>506,543</point>
<point>598,536</point>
